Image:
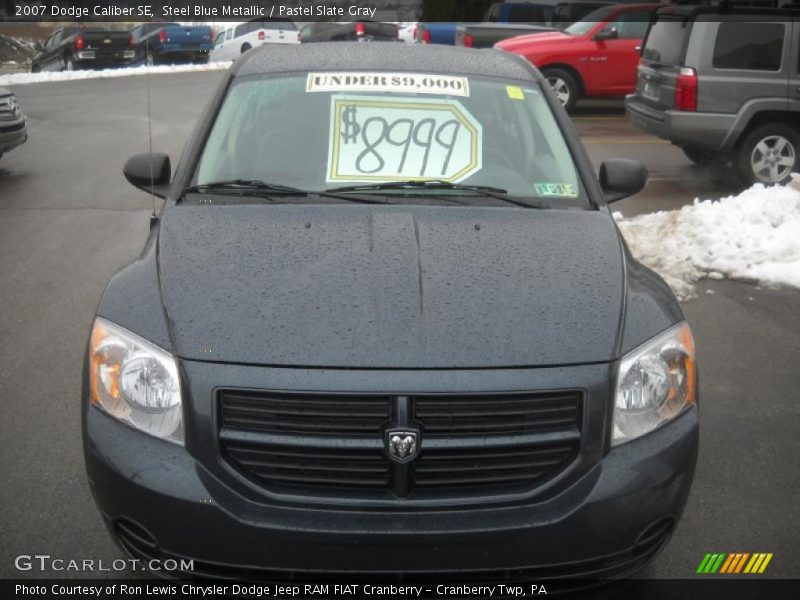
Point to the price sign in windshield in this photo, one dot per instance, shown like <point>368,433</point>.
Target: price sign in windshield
<point>402,140</point>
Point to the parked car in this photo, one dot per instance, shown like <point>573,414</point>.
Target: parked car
<point>239,38</point>
<point>407,32</point>
<point>359,31</point>
<point>597,56</point>
<point>156,43</point>
<point>411,323</point>
<point>560,16</point>
<point>722,85</point>
<point>486,35</point>
<point>72,48</point>
<point>442,33</point>
<point>531,13</point>
<point>13,126</point>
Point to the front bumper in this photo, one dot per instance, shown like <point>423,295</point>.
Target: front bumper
<point>12,133</point>
<point>703,130</point>
<point>611,519</point>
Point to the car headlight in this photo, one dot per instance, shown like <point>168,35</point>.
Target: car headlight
<point>135,381</point>
<point>656,382</point>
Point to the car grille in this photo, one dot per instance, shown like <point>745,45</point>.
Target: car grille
<point>333,445</point>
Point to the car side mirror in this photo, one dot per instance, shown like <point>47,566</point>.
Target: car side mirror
<point>622,177</point>
<point>149,172</point>
<point>606,34</point>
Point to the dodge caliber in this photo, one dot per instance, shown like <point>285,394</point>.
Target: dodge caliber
<point>385,324</point>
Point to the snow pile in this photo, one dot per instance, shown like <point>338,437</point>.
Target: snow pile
<point>754,237</point>
<point>21,78</point>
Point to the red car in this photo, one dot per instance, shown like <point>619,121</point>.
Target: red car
<point>597,56</point>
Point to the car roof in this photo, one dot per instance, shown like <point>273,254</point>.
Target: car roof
<point>382,57</point>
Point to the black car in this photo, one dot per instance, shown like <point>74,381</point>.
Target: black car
<point>385,324</point>
<point>73,48</point>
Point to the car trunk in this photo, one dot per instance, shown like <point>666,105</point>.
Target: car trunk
<point>188,37</point>
<point>105,43</point>
<point>662,58</point>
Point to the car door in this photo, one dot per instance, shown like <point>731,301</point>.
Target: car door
<point>218,53</point>
<point>618,57</point>
<point>51,58</point>
<point>40,59</point>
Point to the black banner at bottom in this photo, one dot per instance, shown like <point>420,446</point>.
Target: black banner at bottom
<point>642,589</point>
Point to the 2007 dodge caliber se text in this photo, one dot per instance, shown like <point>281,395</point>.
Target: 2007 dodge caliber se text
<point>386,324</point>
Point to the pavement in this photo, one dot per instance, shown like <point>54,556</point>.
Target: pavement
<point>69,220</point>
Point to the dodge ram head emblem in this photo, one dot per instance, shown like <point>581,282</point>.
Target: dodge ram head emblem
<point>402,445</point>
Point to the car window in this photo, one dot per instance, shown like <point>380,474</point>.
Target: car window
<point>749,46</point>
<point>632,25</point>
<point>220,38</point>
<point>287,25</point>
<point>526,14</point>
<point>589,21</point>
<point>229,34</point>
<point>285,130</point>
<point>666,41</point>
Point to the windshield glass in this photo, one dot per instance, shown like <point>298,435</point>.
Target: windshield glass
<point>666,41</point>
<point>589,21</point>
<point>326,131</point>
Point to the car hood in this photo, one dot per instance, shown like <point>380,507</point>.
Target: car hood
<point>527,43</point>
<point>391,287</point>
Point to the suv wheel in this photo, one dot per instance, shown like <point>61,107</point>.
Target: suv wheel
<point>564,85</point>
<point>705,158</point>
<point>246,47</point>
<point>769,154</point>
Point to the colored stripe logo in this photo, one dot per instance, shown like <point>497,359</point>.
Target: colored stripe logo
<point>734,563</point>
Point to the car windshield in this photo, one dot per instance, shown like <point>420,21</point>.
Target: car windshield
<point>589,21</point>
<point>372,131</point>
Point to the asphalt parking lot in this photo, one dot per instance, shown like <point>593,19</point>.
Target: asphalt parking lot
<point>68,221</point>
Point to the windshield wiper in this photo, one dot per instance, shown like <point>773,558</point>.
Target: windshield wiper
<point>438,184</point>
<point>256,187</point>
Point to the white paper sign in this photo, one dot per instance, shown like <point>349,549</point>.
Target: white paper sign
<point>374,139</point>
<point>409,83</point>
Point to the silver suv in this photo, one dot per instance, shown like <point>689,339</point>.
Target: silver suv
<point>724,85</point>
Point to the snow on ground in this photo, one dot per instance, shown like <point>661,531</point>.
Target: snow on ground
<point>754,236</point>
<point>22,78</point>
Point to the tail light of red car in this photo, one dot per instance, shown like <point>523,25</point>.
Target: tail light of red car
<point>162,36</point>
<point>686,90</point>
<point>262,35</point>
<point>80,42</point>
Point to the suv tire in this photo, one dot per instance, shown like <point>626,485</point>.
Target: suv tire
<point>769,154</point>
<point>564,86</point>
<point>246,47</point>
<point>706,158</point>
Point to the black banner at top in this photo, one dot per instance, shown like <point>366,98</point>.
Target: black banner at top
<point>214,10</point>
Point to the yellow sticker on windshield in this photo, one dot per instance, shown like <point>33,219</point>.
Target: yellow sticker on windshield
<point>515,93</point>
<point>566,190</point>
<point>373,139</point>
